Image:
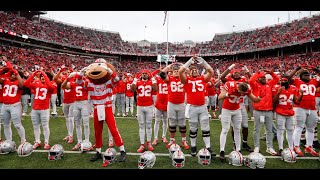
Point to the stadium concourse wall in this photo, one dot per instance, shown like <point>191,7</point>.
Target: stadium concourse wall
<point>300,47</point>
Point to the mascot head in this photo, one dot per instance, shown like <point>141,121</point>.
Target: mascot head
<point>97,74</point>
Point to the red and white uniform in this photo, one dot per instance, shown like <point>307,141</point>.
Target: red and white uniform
<point>309,91</point>
<point>144,95</point>
<point>195,89</point>
<point>42,94</point>
<point>232,102</point>
<point>285,105</point>
<point>11,91</point>
<point>162,96</point>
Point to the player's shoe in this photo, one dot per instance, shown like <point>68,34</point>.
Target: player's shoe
<point>141,148</point>
<point>149,145</point>
<point>123,156</point>
<point>70,140</point>
<point>36,145</point>
<point>96,157</point>
<point>164,140</point>
<point>222,157</point>
<point>66,138</point>
<point>111,143</point>
<point>246,147</point>
<point>46,146</point>
<point>185,145</point>
<point>170,143</point>
<point>155,142</point>
<point>271,151</point>
<point>311,151</point>
<point>298,151</point>
<point>76,147</point>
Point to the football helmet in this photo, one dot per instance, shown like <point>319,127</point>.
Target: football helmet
<point>7,146</point>
<point>25,149</point>
<point>85,146</point>
<point>109,156</point>
<point>288,155</point>
<point>204,156</point>
<point>255,160</point>
<point>236,158</point>
<point>146,160</point>
<point>173,148</point>
<point>55,152</point>
<point>178,159</point>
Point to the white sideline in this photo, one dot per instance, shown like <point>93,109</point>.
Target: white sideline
<point>165,154</point>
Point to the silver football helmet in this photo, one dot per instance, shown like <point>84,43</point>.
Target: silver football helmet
<point>7,146</point>
<point>204,156</point>
<point>55,152</point>
<point>146,160</point>
<point>173,148</point>
<point>85,146</point>
<point>255,160</point>
<point>288,155</point>
<point>25,149</point>
<point>236,158</point>
<point>109,156</point>
<point>178,159</point>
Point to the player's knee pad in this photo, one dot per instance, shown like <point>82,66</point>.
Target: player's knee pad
<point>183,129</point>
<point>224,131</point>
<point>193,134</point>
<point>172,129</point>
<point>205,133</point>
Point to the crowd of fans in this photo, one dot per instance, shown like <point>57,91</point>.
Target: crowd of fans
<point>284,34</point>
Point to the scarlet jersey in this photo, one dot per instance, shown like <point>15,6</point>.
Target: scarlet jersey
<point>11,91</point>
<point>129,93</point>
<point>309,93</point>
<point>121,87</point>
<point>317,94</point>
<point>1,95</point>
<point>176,93</point>
<point>69,95</point>
<point>195,89</point>
<point>275,89</point>
<point>81,93</point>
<point>232,102</point>
<point>211,89</point>
<point>42,94</point>
<point>114,90</point>
<point>33,90</point>
<point>144,96</point>
<point>285,105</point>
<point>56,87</point>
<point>221,87</point>
<point>162,95</point>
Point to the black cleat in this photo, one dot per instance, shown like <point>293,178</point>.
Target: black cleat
<point>316,144</point>
<point>193,151</point>
<point>96,157</point>
<point>123,156</point>
<point>213,154</point>
<point>279,152</point>
<point>222,157</point>
<point>246,147</point>
<point>303,142</point>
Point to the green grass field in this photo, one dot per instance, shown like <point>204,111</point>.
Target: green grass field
<point>128,128</point>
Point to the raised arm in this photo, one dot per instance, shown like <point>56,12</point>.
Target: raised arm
<point>182,75</point>
<point>225,73</point>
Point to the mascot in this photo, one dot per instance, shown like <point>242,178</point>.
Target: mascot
<point>102,78</point>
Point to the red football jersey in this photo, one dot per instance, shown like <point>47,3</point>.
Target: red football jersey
<point>11,91</point>
<point>81,93</point>
<point>144,96</point>
<point>69,94</point>
<point>285,105</point>
<point>195,89</point>
<point>176,93</point>
<point>42,95</point>
<point>232,102</point>
<point>129,93</point>
<point>309,93</point>
<point>162,96</point>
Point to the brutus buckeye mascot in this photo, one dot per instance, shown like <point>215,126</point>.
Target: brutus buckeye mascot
<point>102,78</point>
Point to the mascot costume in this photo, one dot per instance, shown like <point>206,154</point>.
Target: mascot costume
<point>102,78</point>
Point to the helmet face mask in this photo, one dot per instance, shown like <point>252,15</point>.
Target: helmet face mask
<point>25,149</point>
<point>7,146</point>
<point>236,158</point>
<point>178,159</point>
<point>146,160</point>
<point>173,148</point>
<point>55,152</point>
<point>288,155</point>
<point>204,156</point>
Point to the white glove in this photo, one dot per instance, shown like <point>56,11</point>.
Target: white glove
<point>200,60</point>
<point>135,80</point>
<point>82,71</point>
<point>4,63</point>
<point>245,68</point>
<point>107,68</point>
<point>231,67</point>
<point>203,62</point>
<point>188,63</point>
<point>218,72</point>
<point>72,74</point>
<point>153,80</point>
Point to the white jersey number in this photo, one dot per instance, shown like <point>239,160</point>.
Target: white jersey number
<point>234,99</point>
<point>10,91</point>
<point>163,89</point>
<point>308,89</point>
<point>176,87</point>
<point>129,87</point>
<point>78,91</point>
<point>145,90</point>
<point>197,85</point>
<point>44,93</point>
<point>284,100</point>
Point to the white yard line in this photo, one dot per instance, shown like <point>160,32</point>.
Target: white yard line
<point>163,154</point>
